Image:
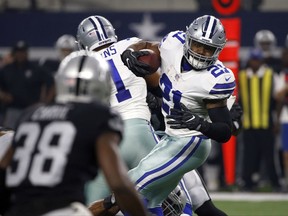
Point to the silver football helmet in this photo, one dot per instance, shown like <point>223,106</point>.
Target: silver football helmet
<point>174,204</point>
<point>266,41</point>
<point>206,30</point>
<point>94,32</point>
<point>66,42</point>
<point>83,76</point>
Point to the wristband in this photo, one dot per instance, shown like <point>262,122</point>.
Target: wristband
<point>109,201</point>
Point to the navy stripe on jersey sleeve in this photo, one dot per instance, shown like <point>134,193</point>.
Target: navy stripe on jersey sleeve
<point>223,88</point>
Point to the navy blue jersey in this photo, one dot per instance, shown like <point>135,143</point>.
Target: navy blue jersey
<point>55,151</point>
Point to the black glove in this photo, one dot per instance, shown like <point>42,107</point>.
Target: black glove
<point>184,118</point>
<point>154,103</point>
<point>130,59</point>
<point>236,113</point>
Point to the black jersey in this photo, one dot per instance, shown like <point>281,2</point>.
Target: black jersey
<point>24,83</point>
<point>55,152</point>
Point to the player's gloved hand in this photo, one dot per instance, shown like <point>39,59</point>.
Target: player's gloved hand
<point>130,59</point>
<point>184,118</point>
<point>154,103</point>
<point>236,113</point>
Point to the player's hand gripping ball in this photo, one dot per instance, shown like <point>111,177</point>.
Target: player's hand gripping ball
<point>151,59</point>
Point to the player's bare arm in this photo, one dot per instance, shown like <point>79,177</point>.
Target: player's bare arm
<point>146,45</point>
<point>115,172</point>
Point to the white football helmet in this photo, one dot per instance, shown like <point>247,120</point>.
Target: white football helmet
<point>94,32</point>
<point>206,30</point>
<point>175,202</point>
<point>266,41</point>
<point>83,76</point>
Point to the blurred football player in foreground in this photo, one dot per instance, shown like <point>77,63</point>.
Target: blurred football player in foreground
<point>58,147</point>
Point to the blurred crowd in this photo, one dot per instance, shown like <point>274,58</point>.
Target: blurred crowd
<point>25,81</point>
<point>262,145</point>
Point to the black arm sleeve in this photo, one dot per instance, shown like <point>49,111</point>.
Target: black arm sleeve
<point>221,126</point>
<point>156,91</point>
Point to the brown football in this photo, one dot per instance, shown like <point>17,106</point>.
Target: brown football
<point>152,59</point>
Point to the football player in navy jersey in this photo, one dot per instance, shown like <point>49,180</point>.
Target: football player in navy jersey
<point>195,87</point>
<point>58,147</point>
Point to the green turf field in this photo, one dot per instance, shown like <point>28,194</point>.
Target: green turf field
<point>254,208</point>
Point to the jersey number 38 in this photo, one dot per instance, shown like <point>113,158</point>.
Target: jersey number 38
<point>37,150</point>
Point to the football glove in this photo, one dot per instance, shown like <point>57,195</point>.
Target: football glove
<point>130,59</point>
<point>236,113</point>
<point>184,118</point>
<point>154,103</point>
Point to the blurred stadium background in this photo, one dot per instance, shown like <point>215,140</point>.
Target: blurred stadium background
<point>41,22</point>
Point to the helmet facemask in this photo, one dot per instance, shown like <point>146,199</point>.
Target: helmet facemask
<point>174,204</point>
<point>214,42</point>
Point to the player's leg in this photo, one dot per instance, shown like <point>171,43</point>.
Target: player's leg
<point>138,140</point>
<point>161,170</point>
<point>284,138</point>
<point>200,198</point>
<point>208,209</point>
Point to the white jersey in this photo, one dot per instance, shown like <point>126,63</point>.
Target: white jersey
<point>129,92</point>
<point>190,87</point>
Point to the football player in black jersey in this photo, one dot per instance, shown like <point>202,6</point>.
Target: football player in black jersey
<point>58,147</point>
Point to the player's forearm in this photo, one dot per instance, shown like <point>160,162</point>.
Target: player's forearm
<point>138,46</point>
<point>129,201</point>
<point>145,45</point>
<point>220,129</point>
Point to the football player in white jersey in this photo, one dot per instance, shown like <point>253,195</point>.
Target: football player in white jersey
<point>195,87</point>
<point>128,96</point>
<point>92,42</point>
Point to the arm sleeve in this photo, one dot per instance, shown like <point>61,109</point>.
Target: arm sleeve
<point>221,126</point>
